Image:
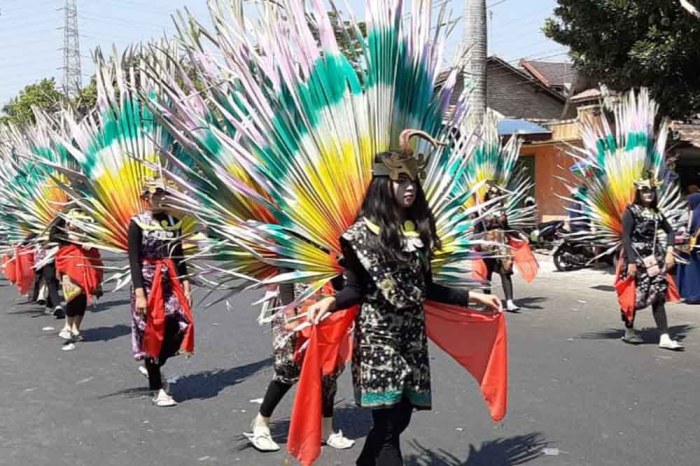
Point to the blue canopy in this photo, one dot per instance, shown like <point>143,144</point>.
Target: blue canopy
<point>509,126</point>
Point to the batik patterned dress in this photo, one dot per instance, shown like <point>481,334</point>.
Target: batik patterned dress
<point>285,343</point>
<point>645,241</point>
<point>158,241</point>
<point>390,350</point>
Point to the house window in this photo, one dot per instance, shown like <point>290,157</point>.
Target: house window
<point>525,166</point>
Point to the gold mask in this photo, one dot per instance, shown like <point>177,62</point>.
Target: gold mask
<point>404,162</point>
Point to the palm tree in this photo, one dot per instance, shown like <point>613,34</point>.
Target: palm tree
<point>475,45</point>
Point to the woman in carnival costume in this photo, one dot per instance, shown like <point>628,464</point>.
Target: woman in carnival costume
<point>647,260</point>
<point>504,210</point>
<point>387,254</point>
<point>287,146</point>
<point>161,315</point>
<point>287,369</point>
<point>78,269</point>
<point>494,226</point>
<point>630,209</point>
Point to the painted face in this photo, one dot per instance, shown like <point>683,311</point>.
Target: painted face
<point>404,191</point>
<point>648,195</point>
<point>156,200</point>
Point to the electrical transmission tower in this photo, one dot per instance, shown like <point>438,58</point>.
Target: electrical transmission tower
<point>71,49</point>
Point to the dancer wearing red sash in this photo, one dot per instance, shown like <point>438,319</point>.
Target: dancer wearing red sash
<point>79,270</point>
<point>628,197</point>
<point>387,256</point>
<point>161,314</point>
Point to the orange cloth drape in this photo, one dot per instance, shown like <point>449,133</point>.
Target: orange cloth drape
<point>155,322</point>
<point>524,259</point>
<point>479,270</point>
<point>477,341</point>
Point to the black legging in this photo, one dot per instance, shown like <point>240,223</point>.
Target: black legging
<point>382,446</point>
<point>172,340</point>
<point>77,306</point>
<point>276,391</point>
<point>48,273</point>
<point>659,311</point>
<point>506,280</point>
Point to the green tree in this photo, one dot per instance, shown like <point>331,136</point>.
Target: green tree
<point>86,99</point>
<point>43,95</point>
<point>633,43</point>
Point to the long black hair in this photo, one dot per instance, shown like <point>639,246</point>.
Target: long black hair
<point>654,203</point>
<point>381,208</point>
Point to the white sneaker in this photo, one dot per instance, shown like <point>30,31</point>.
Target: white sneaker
<point>338,441</point>
<point>163,400</point>
<point>665,342</point>
<point>261,438</point>
<point>65,334</point>
<point>511,306</point>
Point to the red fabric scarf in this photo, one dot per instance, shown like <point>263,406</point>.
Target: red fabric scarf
<point>19,269</point>
<point>627,291</point>
<point>477,341</point>
<point>155,321</point>
<point>84,267</point>
<point>523,259</point>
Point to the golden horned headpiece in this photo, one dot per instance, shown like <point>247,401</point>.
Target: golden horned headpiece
<point>394,163</point>
<point>647,181</point>
<point>153,185</point>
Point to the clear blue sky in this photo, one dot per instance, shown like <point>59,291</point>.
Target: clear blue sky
<point>31,41</point>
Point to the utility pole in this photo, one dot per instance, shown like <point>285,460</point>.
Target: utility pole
<point>72,76</point>
<point>475,45</point>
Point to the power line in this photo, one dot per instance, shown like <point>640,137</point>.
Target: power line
<point>496,4</point>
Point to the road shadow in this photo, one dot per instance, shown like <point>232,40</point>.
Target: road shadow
<point>136,392</point>
<point>531,303</point>
<point>510,451</point>
<point>109,305</point>
<point>650,335</point>
<point>31,311</point>
<point>353,421</point>
<point>200,386</point>
<point>603,288</point>
<point>105,333</point>
<point>208,384</point>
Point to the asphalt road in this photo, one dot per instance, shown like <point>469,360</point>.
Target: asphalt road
<point>578,395</point>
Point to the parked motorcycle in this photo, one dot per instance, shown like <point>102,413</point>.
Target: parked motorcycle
<point>574,254</point>
<point>544,236</point>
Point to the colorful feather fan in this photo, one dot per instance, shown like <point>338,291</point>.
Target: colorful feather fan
<point>288,143</point>
<point>495,161</point>
<point>616,154</point>
<point>115,149</point>
<point>30,194</point>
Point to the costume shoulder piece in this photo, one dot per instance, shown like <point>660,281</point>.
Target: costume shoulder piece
<point>145,221</point>
<point>402,285</point>
<point>357,231</point>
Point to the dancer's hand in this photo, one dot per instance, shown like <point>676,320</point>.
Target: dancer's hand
<point>632,270</point>
<point>491,302</point>
<point>320,310</point>
<point>670,260</point>
<point>141,302</point>
<point>188,291</point>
